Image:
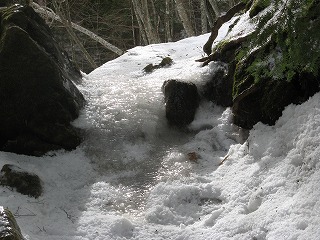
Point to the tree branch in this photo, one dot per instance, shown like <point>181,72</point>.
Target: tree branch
<point>48,13</point>
<point>220,53</point>
<point>218,23</point>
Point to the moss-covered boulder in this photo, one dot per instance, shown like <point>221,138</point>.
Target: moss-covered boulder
<point>9,229</point>
<point>275,65</point>
<point>283,70</point>
<point>38,97</point>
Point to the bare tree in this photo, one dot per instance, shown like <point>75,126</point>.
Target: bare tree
<point>204,16</point>
<point>141,9</point>
<point>215,7</point>
<point>185,19</point>
<point>61,15</point>
<point>167,21</point>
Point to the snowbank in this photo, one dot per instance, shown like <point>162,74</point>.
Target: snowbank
<point>132,177</point>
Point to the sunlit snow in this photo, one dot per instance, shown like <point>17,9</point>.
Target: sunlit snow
<point>132,178</point>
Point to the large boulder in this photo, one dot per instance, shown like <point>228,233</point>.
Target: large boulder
<point>182,101</point>
<point>9,229</point>
<point>38,98</point>
<point>269,67</point>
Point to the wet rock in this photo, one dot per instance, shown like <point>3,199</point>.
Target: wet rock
<point>264,100</point>
<point>219,88</point>
<point>38,97</point>
<point>182,101</point>
<point>268,68</point>
<point>24,182</point>
<point>9,229</point>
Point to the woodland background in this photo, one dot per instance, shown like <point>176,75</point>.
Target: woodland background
<point>125,24</point>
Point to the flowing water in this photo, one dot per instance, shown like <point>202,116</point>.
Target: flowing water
<point>127,137</point>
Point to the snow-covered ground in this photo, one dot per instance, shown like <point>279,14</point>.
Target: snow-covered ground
<point>132,177</point>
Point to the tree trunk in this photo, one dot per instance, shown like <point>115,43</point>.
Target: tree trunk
<point>141,28</point>
<point>142,15</point>
<point>186,21</point>
<point>167,21</point>
<point>215,8</point>
<point>204,22</point>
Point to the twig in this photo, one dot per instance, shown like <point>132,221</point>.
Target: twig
<point>36,202</point>
<point>68,215</point>
<point>225,158</point>
<point>42,229</point>
<point>16,214</point>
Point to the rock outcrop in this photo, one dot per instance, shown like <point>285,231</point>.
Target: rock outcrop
<point>9,229</point>
<point>269,67</point>
<point>182,101</point>
<point>38,97</point>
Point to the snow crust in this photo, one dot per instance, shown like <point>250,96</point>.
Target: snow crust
<point>132,177</point>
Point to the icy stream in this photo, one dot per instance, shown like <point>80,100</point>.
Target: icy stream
<point>132,177</point>
<point>127,136</point>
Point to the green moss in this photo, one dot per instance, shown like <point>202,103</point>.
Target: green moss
<point>167,61</point>
<point>258,6</point>
<point>220,45</point>
<point>242,79</point>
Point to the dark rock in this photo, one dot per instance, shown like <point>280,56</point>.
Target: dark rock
<point>264,100</point>
<point>255,97</point>
<point>38,98</point>
<point>9,229</point>
<point>165,62</point>
<point>28,144</point>
<point>182,101</point>
<point>219,88</point>
<point>264,104</point>
<point>149,68</point>
<point>24,182</point>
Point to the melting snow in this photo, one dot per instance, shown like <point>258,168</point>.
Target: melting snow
<point>132,178</point>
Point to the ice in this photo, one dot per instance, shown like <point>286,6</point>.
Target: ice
<point>132,177</point>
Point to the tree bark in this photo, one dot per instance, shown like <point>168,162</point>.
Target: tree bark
<point>68,26</point>
<point>204,21</point>
<point>215,8</point>
<point>167,21</point>
<point>142,15</point>
<point>185,19</point>
<point>220,54</point>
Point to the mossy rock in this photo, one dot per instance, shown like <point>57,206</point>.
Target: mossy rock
<point>9,229</point>
<point>258,6</point>
<point>275,66</point>
<point>270,96</point>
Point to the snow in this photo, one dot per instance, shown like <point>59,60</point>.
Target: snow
<point>132,178</point>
